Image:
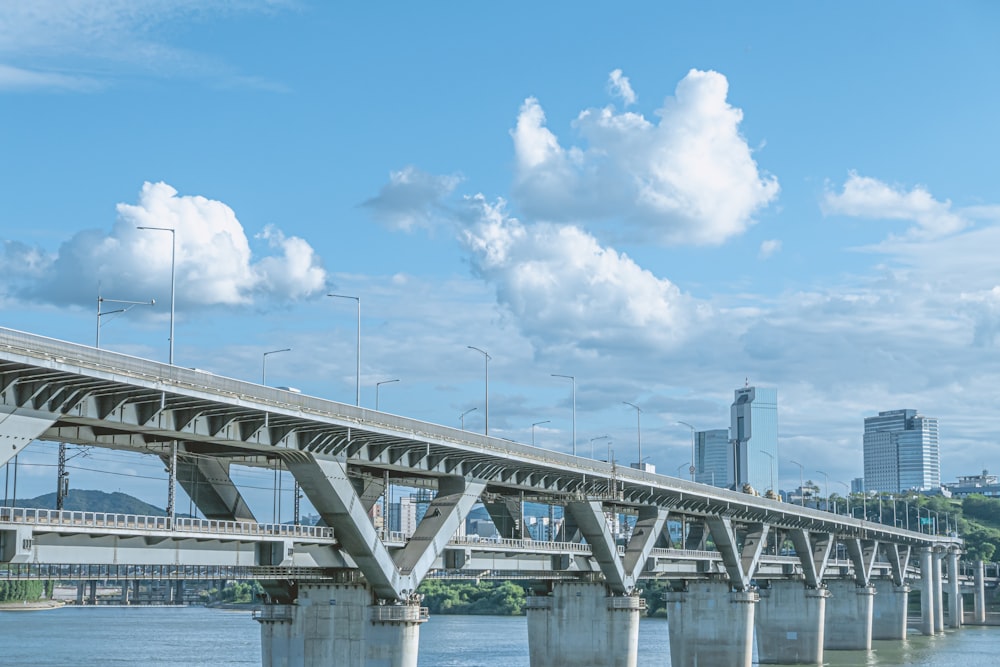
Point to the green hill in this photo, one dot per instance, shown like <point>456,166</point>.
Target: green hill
<point>81,500</point>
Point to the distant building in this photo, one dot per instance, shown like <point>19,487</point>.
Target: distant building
<point>984,484</point>
<point>403,516</point>
<point>713,458</point>
<point>901,452</point>
<point>858,485</point>
<point>754,430</point>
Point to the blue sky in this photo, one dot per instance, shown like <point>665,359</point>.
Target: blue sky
<point>664,200</point>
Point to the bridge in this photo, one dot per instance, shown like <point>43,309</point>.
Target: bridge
<point>743,567</point>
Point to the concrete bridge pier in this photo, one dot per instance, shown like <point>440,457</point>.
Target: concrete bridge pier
<point>979,610</point>
<point>938,556</point>
<point>711,624</point>
<point>580,625</point>
<point>955,608</point>
<point>930,595</point>
<point>849,616</point>
<point>790,624</point>
<point>889,614</point>
<point>337,624</point>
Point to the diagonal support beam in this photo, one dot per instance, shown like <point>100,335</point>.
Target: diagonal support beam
<point>589,516</point>
<point>862,554</point>
<point>328,487</point>
<point>814,552</point>
<point>18,427</point>
<point>369,490</point>
<point>506,515</point>
<point>647,532</point>
<point>740,560</point>
<point>897,555</point>
<point>445,515</point>
<point>207,483</point>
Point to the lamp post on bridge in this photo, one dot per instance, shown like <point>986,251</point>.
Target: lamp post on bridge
<point>357,382</point>
<point>600,437</point>
<point>802,491</point>
<point>692,468</point>
<point>827,488</point>
<point>461,417</point>
<point>173,281</point>
<point>573,379</point>
<point>263,364</point>
<point>638,431</point>
<point>486,360</point>
<point>379,384</point>
<point>770,467</point>
<point>533,430</point>
<point>847,497</point>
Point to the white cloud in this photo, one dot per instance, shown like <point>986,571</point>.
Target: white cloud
<point>563,287</point>
<point>866,197</point>
<point>619,86</point>
<point>214,263</point>
<point>690,178</point>
<point>769,248</point>
<point>412,199</point>
<point>18,79</point>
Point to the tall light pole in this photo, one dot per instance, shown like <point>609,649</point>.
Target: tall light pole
<point>600,437</point>
<point>638,430</point>
<point>847,497</point>
<point>461,417</point>
<point>827,488</point>
<point>771,467</point>
<point>533,430</point>
<point>486,359</point>
<point>379,384</point>
<point>173,263</point>
<point>692,468</point>
<point>357,398</point>
<point>129,305</point>
<point>263,364</point>
<point>802,491</point>
<point>573,379</point>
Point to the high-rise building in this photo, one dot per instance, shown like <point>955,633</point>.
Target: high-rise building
<point>713,458</point>
<point>901,452</point>
<point>754,433</point>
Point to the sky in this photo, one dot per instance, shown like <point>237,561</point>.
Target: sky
<point>666,201</point>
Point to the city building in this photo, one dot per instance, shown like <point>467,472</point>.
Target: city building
<point>858,485</point>
<point>901,452</point>
<point>754,433</point>
<point>985,485</point>
<point>713,458</point>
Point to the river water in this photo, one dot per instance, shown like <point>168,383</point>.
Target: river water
<point>198,637</point>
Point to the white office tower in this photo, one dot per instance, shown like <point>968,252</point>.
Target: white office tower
<point>713,458</point>
<point>754,433</point>
<point>901,452</point>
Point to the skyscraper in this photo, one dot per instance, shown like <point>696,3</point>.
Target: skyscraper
<point>713,457</point>
<point>754,432</point>
<point>901,452</point>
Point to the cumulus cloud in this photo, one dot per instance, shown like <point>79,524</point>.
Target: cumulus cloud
<point>214,262</point>
<point>866,197</point>
<point>769,248</point>
<point>562,286</point>
<point>619,86</point>
<point>412,199</point>
<point>688,178</point>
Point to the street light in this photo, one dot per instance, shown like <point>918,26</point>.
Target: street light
<point>357,398</point>
<point>600,437</point>
<point>486,360</point>
<point>173,258</point>
<point>533,430</point>
<point>129,305</point>
<point>461,417</point>
<point>638,430</point>
<point>770,467</point>
<point>847,496</point>
<point>802,491</point>
<point>573,378</point>
<point>692,468</point>
<point>826,490</point>
<point>379,384</point>
<point>263,364</point>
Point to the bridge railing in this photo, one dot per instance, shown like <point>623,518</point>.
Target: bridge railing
<point>67,518</point>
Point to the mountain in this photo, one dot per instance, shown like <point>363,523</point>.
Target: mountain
<point>81,500</point>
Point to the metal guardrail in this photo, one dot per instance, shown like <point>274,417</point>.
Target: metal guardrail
<point>71,519</point>
<point>274,613</point>
<point>399,613</point>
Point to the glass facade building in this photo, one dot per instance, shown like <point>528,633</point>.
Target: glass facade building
<point>901,452</point>
<point>754,433</point>
<point>713,458</point>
